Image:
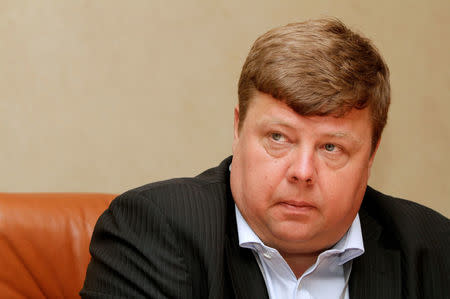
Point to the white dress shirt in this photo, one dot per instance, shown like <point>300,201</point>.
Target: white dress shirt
<point>327,278</point>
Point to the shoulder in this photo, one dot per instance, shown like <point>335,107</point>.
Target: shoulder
<point>403,210</point>
<point>176,226</point>
<point>404,235</point>
<point>410,222</point>
<point>211,184</point>
<point>195,203</point>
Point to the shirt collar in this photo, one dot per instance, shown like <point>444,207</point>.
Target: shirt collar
<point>347,248</point>
<point>247,237</point>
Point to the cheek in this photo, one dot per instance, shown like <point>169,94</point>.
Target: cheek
<point>343,191</point>
<point>259,174</point>
<point>259,181</point>
<point>256,164</point>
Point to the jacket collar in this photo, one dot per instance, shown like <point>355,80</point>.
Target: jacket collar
<point>377,273</point>
<point>243,269</point>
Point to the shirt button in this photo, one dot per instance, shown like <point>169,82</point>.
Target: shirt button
<point>267,255</point>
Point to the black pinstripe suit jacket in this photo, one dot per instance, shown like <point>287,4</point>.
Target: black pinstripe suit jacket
<point>178,239</point>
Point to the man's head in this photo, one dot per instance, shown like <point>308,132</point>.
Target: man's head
<point>318,67</point>
<point>313,100</point>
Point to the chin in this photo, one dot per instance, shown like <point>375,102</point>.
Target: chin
<point>295,236</point>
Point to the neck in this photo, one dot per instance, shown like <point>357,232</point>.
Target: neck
<point>299,263</point>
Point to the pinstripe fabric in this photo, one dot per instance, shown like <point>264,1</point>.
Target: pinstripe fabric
<point>407,250</point>
<point>178,239</point>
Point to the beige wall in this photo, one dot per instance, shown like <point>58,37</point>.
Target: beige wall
<point>108,95</point>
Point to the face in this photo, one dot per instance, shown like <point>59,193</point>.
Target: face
<point>299,181</point>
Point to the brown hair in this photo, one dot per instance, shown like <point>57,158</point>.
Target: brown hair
<point>318,67</point>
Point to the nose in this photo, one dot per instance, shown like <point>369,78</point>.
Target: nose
<point>302,167</point>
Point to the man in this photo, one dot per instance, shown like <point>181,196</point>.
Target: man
<point>290,214</point>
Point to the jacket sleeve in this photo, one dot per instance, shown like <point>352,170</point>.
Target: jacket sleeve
<point>135,253</point>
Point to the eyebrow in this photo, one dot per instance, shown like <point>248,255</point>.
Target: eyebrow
<point>276,121</point>
<point>343,135</point>
<point>338,134</point>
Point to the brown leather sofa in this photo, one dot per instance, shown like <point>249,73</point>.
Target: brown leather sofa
<point>44,242</point>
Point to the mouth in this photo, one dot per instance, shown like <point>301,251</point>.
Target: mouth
<point>297,206</point>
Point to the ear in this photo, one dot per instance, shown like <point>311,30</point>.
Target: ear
<point>372,156</point>
<point>236,127</point>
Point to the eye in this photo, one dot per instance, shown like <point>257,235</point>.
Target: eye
<point>330,147</point>
<point>276,144</point>
<point>277,136</point>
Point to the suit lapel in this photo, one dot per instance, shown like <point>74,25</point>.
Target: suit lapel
<point>243,268</point>
<point>377,273</point>
<point>244,271</point>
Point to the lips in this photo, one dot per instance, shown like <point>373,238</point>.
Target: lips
<point>297,207</point>
<point>298,204</point>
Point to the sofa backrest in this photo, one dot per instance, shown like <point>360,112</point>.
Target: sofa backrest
<point>44,242</point>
